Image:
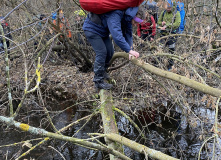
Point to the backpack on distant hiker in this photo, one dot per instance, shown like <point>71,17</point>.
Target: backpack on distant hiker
<point>180,8</point>
<point>103,6</point>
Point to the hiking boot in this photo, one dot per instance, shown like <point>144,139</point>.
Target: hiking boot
<point>103,85</point>
<point>106,76</point>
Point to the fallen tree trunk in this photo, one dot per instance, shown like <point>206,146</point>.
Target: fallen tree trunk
<point>42,132</point>
<point>116,141</point>
<point>82,142</point>
<point>139,148</point>
<point>169,75</point>
<point>109,122</point>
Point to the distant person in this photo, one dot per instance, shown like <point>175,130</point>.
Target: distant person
<point>152,8</point>
<point>42,21</point>
<point>7,30</point>
<point>146,30</point>
<point>80,16</point>
<point>64,25</point>
<point>43,28</point>
<point>169,22</point>
<point>97,28</point>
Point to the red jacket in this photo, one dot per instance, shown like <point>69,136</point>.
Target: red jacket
<point>147,26</point>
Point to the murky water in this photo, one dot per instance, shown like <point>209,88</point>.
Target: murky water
<point>174,137</point>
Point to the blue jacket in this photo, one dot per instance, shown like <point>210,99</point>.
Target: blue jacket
<point>118,24</point>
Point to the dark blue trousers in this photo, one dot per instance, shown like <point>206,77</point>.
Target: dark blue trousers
<point>104,51</point>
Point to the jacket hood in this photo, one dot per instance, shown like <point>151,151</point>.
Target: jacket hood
<point>130,13</point>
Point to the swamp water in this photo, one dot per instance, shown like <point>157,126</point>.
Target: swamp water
<point>174,137</point>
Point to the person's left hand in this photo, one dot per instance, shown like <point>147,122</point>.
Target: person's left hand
<point>164,28</point>
<point>151,39</point>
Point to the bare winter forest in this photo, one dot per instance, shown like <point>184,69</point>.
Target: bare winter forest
<point>49,108</point>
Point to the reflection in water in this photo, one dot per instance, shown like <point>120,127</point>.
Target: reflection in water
<point>180,137</point>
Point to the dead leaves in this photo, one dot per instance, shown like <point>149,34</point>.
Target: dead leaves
<point>210,101</point>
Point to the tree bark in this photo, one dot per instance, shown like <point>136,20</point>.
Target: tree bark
<point>42,132</point>
<point>139,148</point>
<point>109,122</point>
<point>169,75</point>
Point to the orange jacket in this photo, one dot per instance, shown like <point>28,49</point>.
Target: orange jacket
<point>64,26</point>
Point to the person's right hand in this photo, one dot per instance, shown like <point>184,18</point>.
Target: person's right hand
<point>163,23</point>
<point>133,53</point>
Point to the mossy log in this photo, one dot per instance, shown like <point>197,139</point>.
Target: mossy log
<point>169,75</point>
<point>109,122</point>
<point>139,148</point>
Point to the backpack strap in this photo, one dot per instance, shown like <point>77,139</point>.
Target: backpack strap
<point>95,18</point>
<point>163,13</point>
